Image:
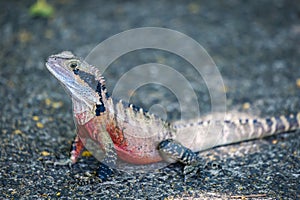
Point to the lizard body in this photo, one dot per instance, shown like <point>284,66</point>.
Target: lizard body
<point>139,137</point>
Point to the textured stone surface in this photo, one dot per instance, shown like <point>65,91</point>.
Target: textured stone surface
<point>254,43</point>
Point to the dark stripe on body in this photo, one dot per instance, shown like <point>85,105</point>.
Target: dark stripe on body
<point>100,108</point>
<point>87,78</point>
<point>90,79</point>
<point>104,89</point>
<point>76,71</point>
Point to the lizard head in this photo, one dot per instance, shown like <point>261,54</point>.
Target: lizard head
<point>82,81</point>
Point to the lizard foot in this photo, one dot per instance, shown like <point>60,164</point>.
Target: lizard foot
<point>60,162</point>
<point>172,150</point>
<point>104,172</point>
<point>87,179</point>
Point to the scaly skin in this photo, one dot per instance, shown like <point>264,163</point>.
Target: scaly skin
<point>139,137</point>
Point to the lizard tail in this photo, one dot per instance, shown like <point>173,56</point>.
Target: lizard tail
<point>205,134</point>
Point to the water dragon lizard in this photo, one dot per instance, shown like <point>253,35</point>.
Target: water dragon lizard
<point>135,136</point>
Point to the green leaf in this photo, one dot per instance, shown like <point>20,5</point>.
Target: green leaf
<point>41,9</point>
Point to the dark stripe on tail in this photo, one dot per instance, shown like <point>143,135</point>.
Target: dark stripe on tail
<point>280,126</point>
<point>282,123</point>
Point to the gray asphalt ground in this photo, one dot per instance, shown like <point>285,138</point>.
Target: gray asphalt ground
<point>255,44</point>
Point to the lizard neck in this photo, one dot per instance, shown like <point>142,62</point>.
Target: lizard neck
<point>92,100</point>
<point>82,111</point>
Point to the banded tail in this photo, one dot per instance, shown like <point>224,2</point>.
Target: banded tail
<point>207,133</point>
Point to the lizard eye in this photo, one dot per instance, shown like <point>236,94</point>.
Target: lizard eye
<point>73,64</point>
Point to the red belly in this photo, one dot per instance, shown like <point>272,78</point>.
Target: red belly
<point>136,157</point>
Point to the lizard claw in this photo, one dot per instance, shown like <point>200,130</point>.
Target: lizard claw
<point>63,162</point>
<point>86,179</point>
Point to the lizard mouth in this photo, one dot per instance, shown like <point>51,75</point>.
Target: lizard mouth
<point>56,68</point>
<point>63,75</point>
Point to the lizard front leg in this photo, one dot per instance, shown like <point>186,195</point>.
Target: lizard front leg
<point>105,169</point>
<point>171,151</point>
<point>94,133</point>
<point>109,162</point>
<point>76,150</point>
